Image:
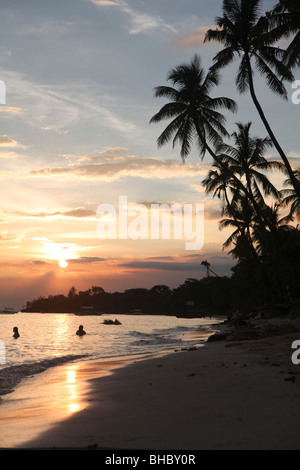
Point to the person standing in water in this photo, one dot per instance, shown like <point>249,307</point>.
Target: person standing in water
<point>80,331</point>
<point>16,332</point>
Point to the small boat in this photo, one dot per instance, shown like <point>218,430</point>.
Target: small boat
<point>111,322</point>
<point>8,311</point>
<point>84,311</point>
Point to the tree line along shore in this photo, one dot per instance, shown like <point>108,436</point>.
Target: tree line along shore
<point>210,296</point>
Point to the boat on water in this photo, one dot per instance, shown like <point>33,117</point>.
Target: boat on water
<point>84,311</point>
<point>8,310</point>
<point>112,322</point>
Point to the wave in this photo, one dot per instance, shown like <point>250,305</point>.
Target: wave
<point>11,376</point>
<point>156,339</point>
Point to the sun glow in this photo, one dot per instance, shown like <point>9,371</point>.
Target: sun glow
<point>59,251</point>
<point>63,263</point>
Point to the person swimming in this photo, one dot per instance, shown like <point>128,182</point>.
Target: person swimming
<point>16,332</point>
<point>80,331</point>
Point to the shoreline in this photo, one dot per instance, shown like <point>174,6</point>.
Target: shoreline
<point>41,401</point>
<point>230,394</point>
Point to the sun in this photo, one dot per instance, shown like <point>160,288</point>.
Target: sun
<point>63,263</point>
<point>61,252</point>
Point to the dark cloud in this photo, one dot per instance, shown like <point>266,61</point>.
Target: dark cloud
<point>85,260</point>
<point>161,266</point>
<point>39,262</point>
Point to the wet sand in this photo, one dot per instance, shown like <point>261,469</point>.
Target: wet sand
<point>41,401</point>
<point>225,395</point>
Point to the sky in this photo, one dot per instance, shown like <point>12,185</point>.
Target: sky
<point>75,134</point>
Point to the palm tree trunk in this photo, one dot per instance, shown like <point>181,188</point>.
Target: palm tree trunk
<point>269,130</point>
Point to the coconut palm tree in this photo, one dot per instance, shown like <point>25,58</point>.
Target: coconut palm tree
<point>285,16</point>
<point>246,158</point>
<point>244,162</point>
<point>291,198</point>
<point>245,33</point>
<point>206,264</point>
<point>241,218</point>
<point>221,183</point>
<point>195,115</point>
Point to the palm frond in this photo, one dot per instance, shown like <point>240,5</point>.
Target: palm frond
<point>274,83</point>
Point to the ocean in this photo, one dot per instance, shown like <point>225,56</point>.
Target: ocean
<point>49,340</point>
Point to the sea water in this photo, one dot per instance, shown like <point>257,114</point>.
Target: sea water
<point>47,340</point>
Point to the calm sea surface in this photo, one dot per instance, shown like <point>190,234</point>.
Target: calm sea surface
<point>47,340</point>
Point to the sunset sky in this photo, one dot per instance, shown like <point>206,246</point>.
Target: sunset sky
<point>75,133</point>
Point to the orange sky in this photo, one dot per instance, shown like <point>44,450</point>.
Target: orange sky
<point>75,133</point>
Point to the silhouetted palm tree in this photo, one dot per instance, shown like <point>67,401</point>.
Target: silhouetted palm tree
<point>291,198</point>
<point>244,162</point>
<point>206,264</point>
<point>247,159</point>
<point>195,116</point>
<point>245,33</point>
<point>241,218</point>
<point>221,183</point>
<point>285,16</point>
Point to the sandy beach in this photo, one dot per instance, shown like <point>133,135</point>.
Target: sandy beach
<point>230,394</point>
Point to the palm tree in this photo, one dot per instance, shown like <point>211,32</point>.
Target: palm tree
<point>246,158</point>
<point>244,240</point>
<point>195,116</point>
<point>291,198</point>
<point>285,16</point>
<point>221,183</point>
<point>241,218</point>
<point>245,34</point>
<point>236,206</point>
<point>193,112</point>
<point>206,264</point>
<point>244,162</point>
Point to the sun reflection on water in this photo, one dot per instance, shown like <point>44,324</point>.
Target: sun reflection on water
<point>72,390</point>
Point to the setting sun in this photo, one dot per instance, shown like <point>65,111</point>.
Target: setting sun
<point>63,263</point>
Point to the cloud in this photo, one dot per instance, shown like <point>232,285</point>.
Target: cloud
<point>6,141</point>
<point>140,22</point>
<point>198,188</point>
<point>143,23</point>
<point>86,260</point>
<point>161,266</point>
<point>109,154</point>
<point>294,159</point>
<point>57,108</point>
<point>109,3</point>
<point>8,155</point>
<point>77,213</point>
<point>5,236</point>
<point>194,38</point>
<point>10,111</point>
<point>56,28</point>
<point>138,167</point>
<point>39,262</point>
